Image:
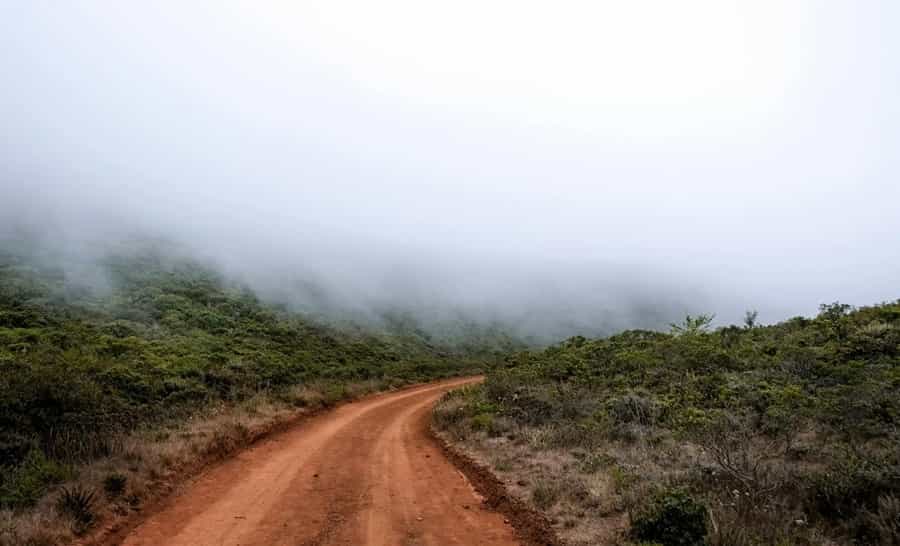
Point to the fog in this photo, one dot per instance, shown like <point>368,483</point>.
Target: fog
<point>566,168</point>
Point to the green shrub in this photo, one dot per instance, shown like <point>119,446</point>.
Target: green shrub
<point>531,407</point>
<point>672,518</point>
<point>14,447</point>
<point>483,421</point>
<point>852,485</point>
<point>24,484</point>
<point>334,393</point>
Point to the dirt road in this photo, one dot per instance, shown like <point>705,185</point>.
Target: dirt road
<point>365,474</point>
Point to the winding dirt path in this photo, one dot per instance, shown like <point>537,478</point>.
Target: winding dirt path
<point>365,474</point>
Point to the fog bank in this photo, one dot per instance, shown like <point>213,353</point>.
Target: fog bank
<point>573,169</point>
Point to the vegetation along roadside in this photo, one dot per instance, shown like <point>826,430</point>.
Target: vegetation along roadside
<point>109,395</point>
<point>753,435</point>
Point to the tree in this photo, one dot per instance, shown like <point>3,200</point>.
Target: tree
<point>692,325</point>
<point>750,319</point>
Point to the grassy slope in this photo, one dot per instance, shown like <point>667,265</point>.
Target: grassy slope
<point>785,434</point>
<point>165,338</point>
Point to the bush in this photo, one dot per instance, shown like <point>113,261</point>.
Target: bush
<point>78,503</point>
<point>14,447</point>
<point>852,486</point>
<point>114,484</point>
<point>633,409</point>
<point>450,412</point>
<point>884,522</point>
<point>672,518</point>
<point>545,494</point>
<point>24,484</point>
<point>483,421</point>
<point>791,430</point>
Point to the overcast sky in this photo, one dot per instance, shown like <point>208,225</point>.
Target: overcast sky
<point>712,154</point>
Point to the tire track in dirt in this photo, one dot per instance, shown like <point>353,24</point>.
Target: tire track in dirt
<point>368,473</point>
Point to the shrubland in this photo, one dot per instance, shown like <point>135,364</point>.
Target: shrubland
<point>108,386</point>
<point>787,434</point>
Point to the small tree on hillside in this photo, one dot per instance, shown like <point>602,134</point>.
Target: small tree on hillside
<point>750,319</point>
<point>692,325</point>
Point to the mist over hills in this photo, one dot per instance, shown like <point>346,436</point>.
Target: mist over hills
<point>349,280</point>
<point>447,301</point>
<point>344,167</point>
<point>359,278</point>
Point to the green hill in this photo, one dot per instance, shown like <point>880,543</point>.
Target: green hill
<point>784,434</point>
<point>94,350</point>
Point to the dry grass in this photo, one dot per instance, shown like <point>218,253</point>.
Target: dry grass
<point>581,497</point>
<point>146,464</point>
<point>588,485</point>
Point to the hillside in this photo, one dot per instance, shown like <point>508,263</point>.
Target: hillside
<point>786,434</point>
<point>144,338</point>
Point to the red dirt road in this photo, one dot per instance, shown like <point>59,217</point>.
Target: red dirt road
<point>365,474</point>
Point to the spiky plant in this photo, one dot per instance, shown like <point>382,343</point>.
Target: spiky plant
<point>78,502</point>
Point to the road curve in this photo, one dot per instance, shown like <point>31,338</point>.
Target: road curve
<point>365,474</point>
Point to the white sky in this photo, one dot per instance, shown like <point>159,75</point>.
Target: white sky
<point>747,148</point>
